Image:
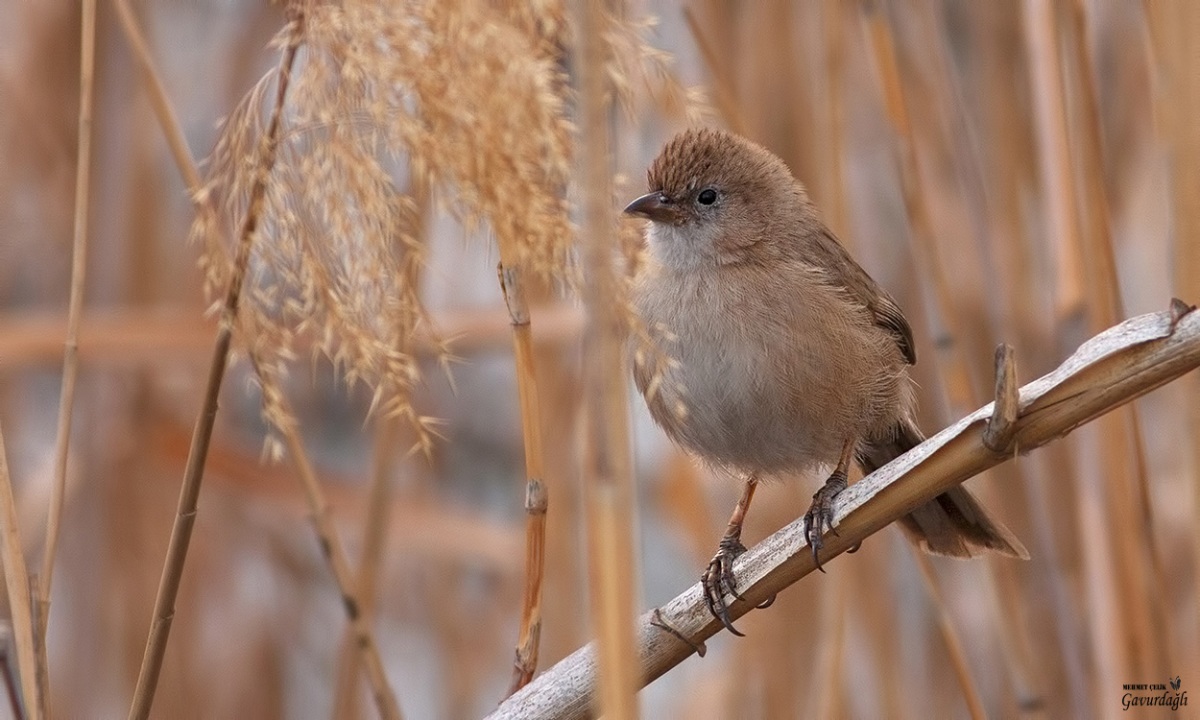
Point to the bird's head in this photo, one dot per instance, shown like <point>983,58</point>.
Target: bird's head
<point>714,194</point>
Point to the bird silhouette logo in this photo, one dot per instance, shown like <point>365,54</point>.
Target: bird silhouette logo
<point>1175,683</point>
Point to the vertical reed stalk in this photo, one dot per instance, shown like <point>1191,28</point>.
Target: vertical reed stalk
<point>16,582</point>
<point>512,283</point>
<point>954,372</point>
<point>606,461</point>
<point>1175,26</point>
<point>66,400</point>
<point>958,657</point>
<point>1131,502</point>
<point>185,518</point>
<point>952,366</point>
<point>1109,625</point>
<point>727,101</point>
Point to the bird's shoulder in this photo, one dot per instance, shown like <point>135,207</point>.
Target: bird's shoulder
<point>842,271</point>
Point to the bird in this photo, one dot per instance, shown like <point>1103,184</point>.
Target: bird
<point>786,358</point>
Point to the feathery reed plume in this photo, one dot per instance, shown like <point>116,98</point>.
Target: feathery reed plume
<point>181,531</point>
<point>371,99</point>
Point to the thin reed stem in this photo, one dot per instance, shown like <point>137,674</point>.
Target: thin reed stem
<point>1175,27</point>
<point>1130,503</point>
<point>66,400</point>
<point>954,372</point>
<point>379,502</point>
<point>339,564</point>
<point>607,471</point>
<point>185,518</point>
<point>163,109</point>
<point>16,582</point>
<point>726,99</point>
<point>512,283</point>
<point>954,646</point>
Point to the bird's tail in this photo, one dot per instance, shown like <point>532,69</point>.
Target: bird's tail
<point>953,524</point>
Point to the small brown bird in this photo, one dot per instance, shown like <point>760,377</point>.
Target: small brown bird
<point>788,357</point>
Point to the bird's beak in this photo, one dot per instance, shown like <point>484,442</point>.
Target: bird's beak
<point>652,206</point>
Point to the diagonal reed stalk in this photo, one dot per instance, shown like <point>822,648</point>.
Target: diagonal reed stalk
<point>335,555</point>
<point>362,637</point>
<point>1111,369</point>
<point>185,518</point>
<point>512,283</point>
<point>66,400</point>
<point>163,109</point>
<point>607,471</point>
<point>16,582</point>
<point>954,373</point>
<point>389,436</point>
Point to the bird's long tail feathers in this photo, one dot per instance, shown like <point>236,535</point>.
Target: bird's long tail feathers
<point>953,524</point>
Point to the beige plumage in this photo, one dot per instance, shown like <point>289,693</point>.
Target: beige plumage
<point>789,358</point>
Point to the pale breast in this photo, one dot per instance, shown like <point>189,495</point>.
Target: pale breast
<point>772,369</point>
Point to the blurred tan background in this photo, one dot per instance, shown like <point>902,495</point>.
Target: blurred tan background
<point>983,160</point>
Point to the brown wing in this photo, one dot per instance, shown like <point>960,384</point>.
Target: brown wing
<point>844,271</point>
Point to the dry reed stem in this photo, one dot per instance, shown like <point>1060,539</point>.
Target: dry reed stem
<point>1105,624</point>
<point>16,582</point>
<point>1175,27</point>
<point>512,284</point>
<point>378,510</point>
<point>185,518</point>
<point>1054,160</point>
<point>826,685</point>
<point>954,375</point>
<point>952,366</point>
<point>66,400</point>
<point>335,555</point>
<point>1121,623</point>
<point>727,102</point>
<point>139,336</point>
<point>10,683</point>
<point>1141,556</point>
<point>163,110</point>
<point>39,627</point>
<point>835,171</point>
<point>388,438</point>
<point>954,647</point>
<point>607,471</point>
<point>1111,369</point>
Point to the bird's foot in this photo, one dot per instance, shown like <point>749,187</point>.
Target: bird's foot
<point>820,514</point>
<point>718,580</point>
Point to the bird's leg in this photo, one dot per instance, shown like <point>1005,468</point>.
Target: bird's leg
<point>820,513</point>
<point>718,579</point>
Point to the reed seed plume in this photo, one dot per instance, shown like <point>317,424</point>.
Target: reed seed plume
<point>472,100</point>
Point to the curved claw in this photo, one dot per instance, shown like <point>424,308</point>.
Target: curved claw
<point>718,581</point>
<point>820,515</point>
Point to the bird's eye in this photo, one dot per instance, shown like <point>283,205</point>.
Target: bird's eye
<point>707,196</point>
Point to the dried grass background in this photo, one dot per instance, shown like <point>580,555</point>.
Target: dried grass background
<point>1020,172</point>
